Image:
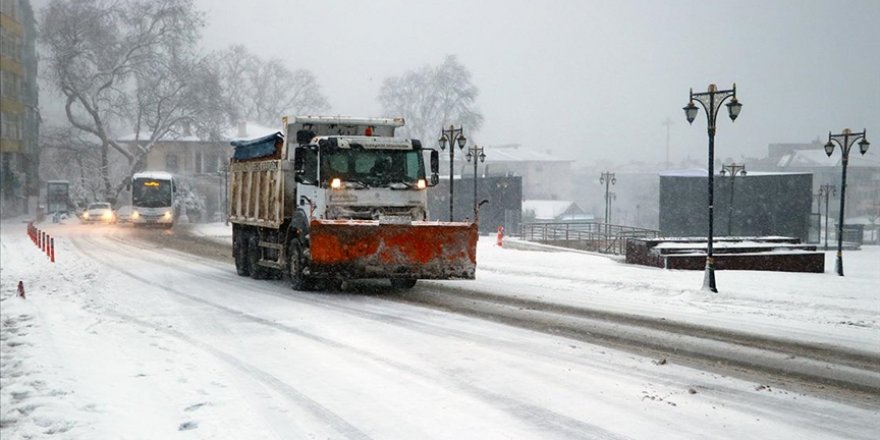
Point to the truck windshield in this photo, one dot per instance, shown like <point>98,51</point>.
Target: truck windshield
<point>374,168</point>
<point>151,193</point>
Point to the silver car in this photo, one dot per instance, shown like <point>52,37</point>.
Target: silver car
<point>99,213</point>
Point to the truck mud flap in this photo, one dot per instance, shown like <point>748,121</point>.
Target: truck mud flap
<point>368,249</point>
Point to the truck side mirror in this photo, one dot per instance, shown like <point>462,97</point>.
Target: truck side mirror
<point>299,161</point>
<point>435,162</point>
<point>435,167</point>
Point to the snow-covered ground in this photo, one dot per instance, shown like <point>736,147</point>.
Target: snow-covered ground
<point>814,307</point>
<point>120,340</point>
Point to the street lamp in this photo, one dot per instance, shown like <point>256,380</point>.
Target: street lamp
<point>450,137</point>
<point>845,140</point>
<point>826,190</point>
<point>711,101</point>
<point>475,152</point>
<point>607,178</point>
<point>733,169</point>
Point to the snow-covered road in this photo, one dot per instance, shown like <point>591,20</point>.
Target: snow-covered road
<point>121,339</point>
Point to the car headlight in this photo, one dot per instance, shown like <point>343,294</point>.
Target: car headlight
<point>85,215</point>
<point>167,215</point>
<point>108,215</point>
<point>135,215</point>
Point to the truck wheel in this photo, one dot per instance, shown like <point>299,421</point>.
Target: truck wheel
<point>403,283</point>
<point>295,276</point>
<point>239,253</point>
<point>253,256</point>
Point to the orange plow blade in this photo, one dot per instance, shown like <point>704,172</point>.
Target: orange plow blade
<point>368,249</point>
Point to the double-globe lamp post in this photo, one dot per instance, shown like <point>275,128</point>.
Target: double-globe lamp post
<point>449,137</point>
<point>845,140</point>
<point>826,190</point>
<point>733,169</point>
<point>475,152</point>
<point>711,101</point>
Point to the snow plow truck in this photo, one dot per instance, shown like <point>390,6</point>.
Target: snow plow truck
<point>332,199</point>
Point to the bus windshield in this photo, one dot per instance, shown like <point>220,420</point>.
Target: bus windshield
<point>373,168</point>
<point>151,193</point>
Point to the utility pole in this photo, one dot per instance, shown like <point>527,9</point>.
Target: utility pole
<point>667,123</point>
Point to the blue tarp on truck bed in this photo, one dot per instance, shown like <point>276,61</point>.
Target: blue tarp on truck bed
<point>254,148</point>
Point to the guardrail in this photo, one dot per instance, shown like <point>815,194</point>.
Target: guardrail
<point>585,235</point>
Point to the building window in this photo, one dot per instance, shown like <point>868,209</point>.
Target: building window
<point>171,162</point>
<point>212,164</point>
<point>9,8</point>
<point>10,126</point>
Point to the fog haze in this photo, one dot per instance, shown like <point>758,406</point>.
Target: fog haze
<point>592,81</point>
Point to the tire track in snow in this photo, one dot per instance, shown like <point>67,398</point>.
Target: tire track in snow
<point>563,425</point>
<point>821,369</point>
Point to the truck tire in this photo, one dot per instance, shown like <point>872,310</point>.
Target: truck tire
<point>403,283</point>
<point>295,265</point>
<point>253,257</point>
<point>239,254</point>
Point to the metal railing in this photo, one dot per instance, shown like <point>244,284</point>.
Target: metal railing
<point>585,235</point>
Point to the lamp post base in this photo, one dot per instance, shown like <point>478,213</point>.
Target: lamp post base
<point>709,278</point>
<point>838,265</point>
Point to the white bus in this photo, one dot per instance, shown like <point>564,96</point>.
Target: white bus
<point>152,198</point>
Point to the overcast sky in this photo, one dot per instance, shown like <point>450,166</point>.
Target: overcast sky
<point>590,80</point>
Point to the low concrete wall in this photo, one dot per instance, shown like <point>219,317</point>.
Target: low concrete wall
<point>781,254</point>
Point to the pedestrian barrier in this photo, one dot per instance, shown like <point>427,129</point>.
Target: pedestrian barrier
<point>500,235</point>
<point>42,240</point>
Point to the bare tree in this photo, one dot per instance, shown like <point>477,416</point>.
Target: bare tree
<point>123,63</point>
<point>263,91</point>
<point>68,155</point>
<point>431,98</point>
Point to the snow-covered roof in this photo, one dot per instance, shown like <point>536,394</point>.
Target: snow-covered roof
<point>549,209</point>
<point>685,173</point>
<point>515,153</point>
<point>807,158</point>
<point>703,173</point>
<point>249,130</point>
<point>159,175</point>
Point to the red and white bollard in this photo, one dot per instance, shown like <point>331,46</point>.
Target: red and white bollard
<point>500,235</point>
<point>52,249</point>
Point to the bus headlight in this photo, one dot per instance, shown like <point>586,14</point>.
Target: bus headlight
<point>421,184</point>
<point>336,183</point>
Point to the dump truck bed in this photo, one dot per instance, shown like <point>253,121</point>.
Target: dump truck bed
<point>256,193</point>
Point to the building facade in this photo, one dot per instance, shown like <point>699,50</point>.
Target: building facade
<point>19,111</point>
<point>199,167</point>
<point>757,204</point>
